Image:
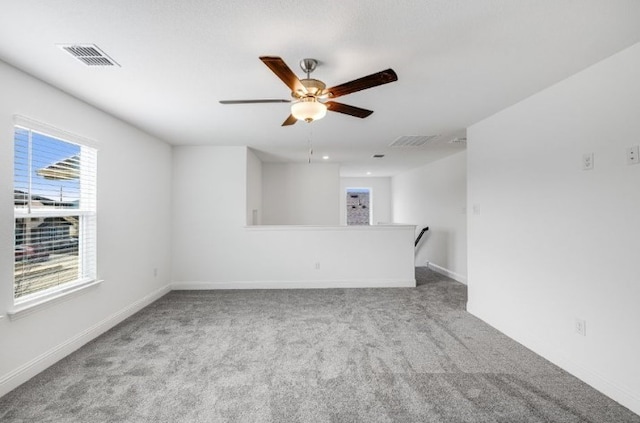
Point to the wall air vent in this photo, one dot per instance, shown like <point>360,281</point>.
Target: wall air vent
<point>412,140</point>
<point>89,54</point>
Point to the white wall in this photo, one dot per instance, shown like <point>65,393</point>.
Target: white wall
<point>300,194</point>
<point>209,212</point>
<point>310,257</point>
<point>550,242</point>
<point>434,195</point>
<point>134,192</point>
<point>380,197</point>
<point>212,248</point>
<point>254,189</point>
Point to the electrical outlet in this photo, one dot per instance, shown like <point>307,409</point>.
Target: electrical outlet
<point>632,155</point>
<point>317,265</point>
<point>581,327</point>
<point>587,161</point>
<point>155,272</point>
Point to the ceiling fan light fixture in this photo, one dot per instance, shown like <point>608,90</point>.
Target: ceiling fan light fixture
<point>308,109</point>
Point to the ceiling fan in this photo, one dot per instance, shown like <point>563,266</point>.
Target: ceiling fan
<point>307,93</point>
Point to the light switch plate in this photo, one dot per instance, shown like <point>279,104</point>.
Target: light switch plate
<point>581,327</point>
<point>587,161</point>
<point>632,155</point>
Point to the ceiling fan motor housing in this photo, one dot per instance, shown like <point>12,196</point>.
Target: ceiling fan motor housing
<point>314,88</point>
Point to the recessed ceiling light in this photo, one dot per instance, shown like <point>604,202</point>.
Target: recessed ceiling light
<point>325,157</point>
<point>368,173</point>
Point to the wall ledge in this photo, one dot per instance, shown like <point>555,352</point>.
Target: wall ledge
<point>309,284</point>
<point>385,227</point>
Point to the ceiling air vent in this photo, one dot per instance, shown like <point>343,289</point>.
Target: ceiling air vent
<point>378,156</point>
<point>458,140</point>
<point>412,140</point>
<point>89,54</point>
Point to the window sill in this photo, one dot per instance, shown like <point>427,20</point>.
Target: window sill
<point>34,305</point>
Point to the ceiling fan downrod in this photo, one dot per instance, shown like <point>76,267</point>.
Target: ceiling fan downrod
<point>308,66</point>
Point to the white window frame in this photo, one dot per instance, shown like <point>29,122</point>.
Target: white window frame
<point>87,255</point>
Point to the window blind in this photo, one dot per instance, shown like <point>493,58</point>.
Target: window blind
<point>55,213</point>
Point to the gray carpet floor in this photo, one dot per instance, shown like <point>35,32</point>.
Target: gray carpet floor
<point>335,355</point>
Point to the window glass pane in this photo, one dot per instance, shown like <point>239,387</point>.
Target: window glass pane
<point>358,206</point>
<point>46,253</point>
<point>55,171</point>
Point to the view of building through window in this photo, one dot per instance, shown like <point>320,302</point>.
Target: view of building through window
<point>54,203</point>
<point>358,206</point>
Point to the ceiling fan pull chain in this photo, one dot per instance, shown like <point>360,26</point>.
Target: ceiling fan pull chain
<point>310,142</point>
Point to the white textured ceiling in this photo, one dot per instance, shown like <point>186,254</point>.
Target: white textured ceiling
<point>458,61</point>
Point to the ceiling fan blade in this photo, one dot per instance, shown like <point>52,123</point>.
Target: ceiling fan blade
<point>269,100</point>
<point>348,110</point>
<point>282,71</point>
<point>290,121</point>
<point>373,80</point>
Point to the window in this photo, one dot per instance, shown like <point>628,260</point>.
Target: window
<point>358,206</point>
<point>55,212</point>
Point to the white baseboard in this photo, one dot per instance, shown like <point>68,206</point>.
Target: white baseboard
<point>621,394</point>
<point>443,271</point>
<point>25,372</point>
<point>318,284</point>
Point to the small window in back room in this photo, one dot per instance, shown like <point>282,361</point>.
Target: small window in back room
<point>358,206</point>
